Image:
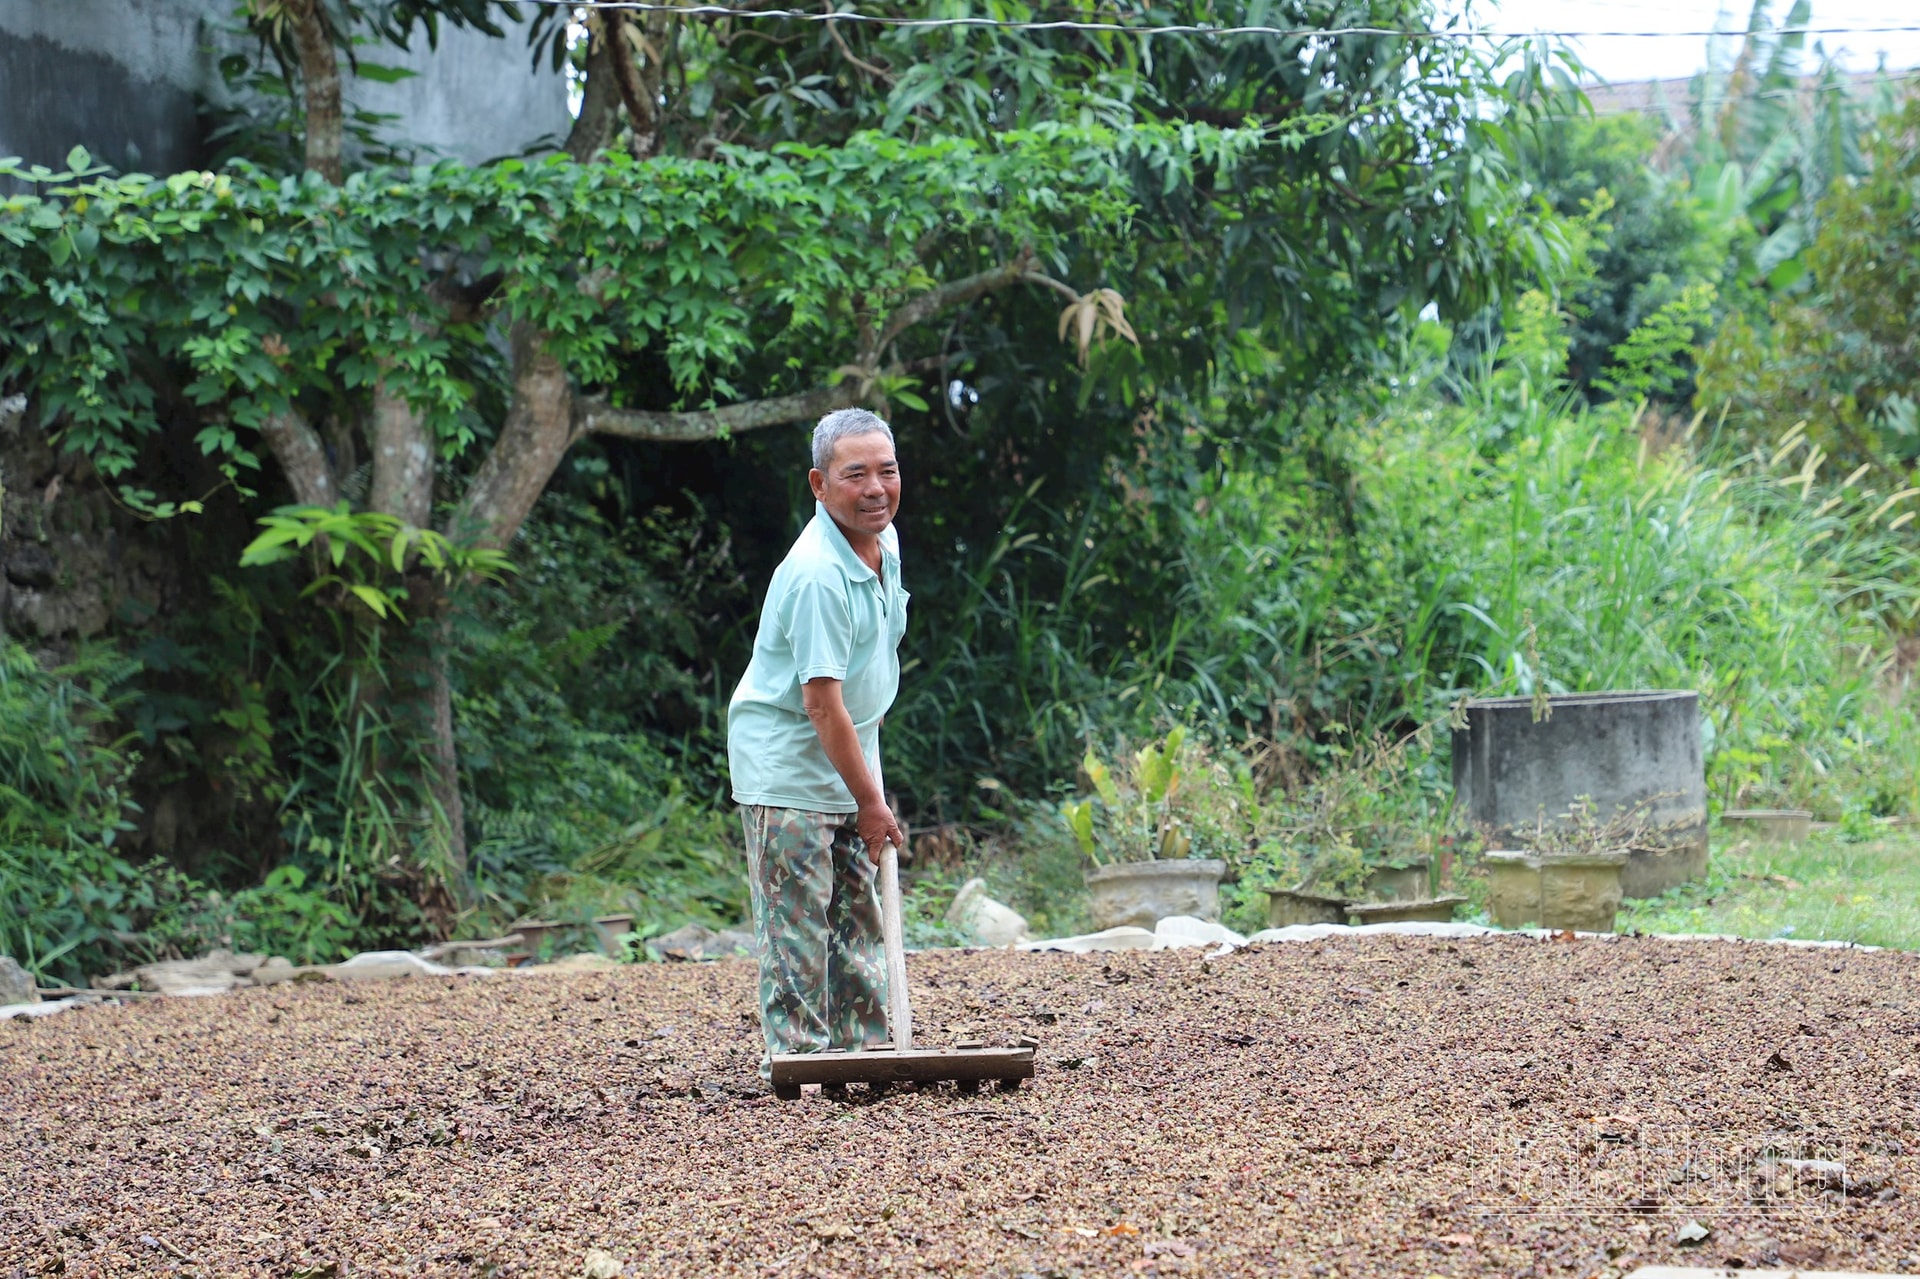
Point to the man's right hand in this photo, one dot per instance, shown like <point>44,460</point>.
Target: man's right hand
<point>877,829</point>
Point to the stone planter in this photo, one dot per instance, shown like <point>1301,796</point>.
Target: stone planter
<point>1289,906</point>
<point>1621,749</point>
<point>1436,910</point>
<point>1144,893</point>
<point>609,929</point>
<point>1407,883</point>
<point>533,935</point>
<point>1580,891</point>
<point>1769,825</point>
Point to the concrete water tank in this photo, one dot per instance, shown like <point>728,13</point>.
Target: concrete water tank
<point>1620,748</point>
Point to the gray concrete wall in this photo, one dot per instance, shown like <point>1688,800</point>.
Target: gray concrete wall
<point>474,98</point>
<point>121,77</point>
<point>115,76</point>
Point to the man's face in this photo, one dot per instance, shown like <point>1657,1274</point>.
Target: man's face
<point>861,486</point>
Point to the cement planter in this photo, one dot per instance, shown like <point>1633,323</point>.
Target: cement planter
<point>534,934</point>
<point>1580,891</point>
<point>1620,748</point>
<point>1769,825</point>
<point>608,930</point>
<point>1436,910</point>
<point>1403,883</point>
<point>1289,906</point>
<point>1142,894</point>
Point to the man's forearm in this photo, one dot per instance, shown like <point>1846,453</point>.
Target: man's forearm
<point>841,742</point>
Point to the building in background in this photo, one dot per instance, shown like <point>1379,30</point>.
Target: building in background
<point>130,80</point>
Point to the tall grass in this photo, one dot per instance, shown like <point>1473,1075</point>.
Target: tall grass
<point>1491,535</point>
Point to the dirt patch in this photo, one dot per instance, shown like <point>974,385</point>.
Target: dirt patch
<point>1366,1106</point>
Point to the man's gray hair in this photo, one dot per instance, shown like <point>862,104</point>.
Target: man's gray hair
<point>840,424</point>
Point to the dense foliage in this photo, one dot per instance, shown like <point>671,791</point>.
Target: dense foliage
<point>1839,354</point>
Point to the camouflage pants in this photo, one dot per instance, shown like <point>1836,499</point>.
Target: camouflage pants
<point>816,924</point>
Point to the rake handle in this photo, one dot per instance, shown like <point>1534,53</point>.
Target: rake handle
<point>899,1011</point>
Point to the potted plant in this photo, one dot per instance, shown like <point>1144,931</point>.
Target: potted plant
<point>1322,886</point>
<point>1770,825</point>
<point>1148,828</point>
<point>1566,872</point>
<point>1360,837</point>
<point>611,931</point>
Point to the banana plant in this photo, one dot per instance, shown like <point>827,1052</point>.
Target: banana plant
<point>1137,808</point>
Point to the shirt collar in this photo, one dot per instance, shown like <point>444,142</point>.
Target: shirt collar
<point>855,568</point>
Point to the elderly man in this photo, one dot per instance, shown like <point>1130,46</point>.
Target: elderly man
<point>803,743</point>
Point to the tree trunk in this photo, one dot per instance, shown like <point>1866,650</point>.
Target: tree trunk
<point>402,486</point>
<point>320,86</point>
<point>535,436</point>
<point>302,457</point>
<point>427,687</point>
<point>445,779</point>
<point>600,104</point>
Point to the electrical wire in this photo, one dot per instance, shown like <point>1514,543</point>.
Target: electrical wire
<point>1122,28</point>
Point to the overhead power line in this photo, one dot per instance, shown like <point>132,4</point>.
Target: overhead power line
<point>1177,29</point>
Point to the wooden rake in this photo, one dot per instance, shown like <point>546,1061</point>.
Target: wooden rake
<point>968,1065</point>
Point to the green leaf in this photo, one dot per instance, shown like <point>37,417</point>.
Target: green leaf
<point>1079,818</point>
<point>1102,778</point>
<point>373,597</point>
<point>382,74</point>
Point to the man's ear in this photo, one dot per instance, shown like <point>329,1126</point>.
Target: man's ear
<point>817,480</point>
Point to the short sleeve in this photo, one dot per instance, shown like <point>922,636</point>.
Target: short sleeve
<point>819,627</point>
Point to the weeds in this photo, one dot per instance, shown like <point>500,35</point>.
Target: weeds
<point>1827,888</point>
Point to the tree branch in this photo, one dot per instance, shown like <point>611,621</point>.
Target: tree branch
<point>641,116</point>
<point>592,415</point>
<point>532,440</point>
<point>600,103</point>
<point>934,301</point>
<point>878,73</point>
<point>1266,110</point>
<point>302,457</point>
<point>320,85</point>
<point>402,459</point>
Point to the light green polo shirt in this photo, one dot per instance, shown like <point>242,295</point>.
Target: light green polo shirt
<point>827,614</point>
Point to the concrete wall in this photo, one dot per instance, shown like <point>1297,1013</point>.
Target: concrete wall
<point>115,76</point>
<point>475,98</point>
<point>121,78</point>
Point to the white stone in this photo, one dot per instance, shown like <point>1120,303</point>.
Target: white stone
<point>1405,928</point>
<point>993,923</point>
<point>404,958</point>
<point>16,983</point>
<point>46,1008</point>
<point>1178,931</point>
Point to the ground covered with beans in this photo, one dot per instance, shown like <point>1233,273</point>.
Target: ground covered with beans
<point>1358,1106</point>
